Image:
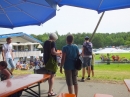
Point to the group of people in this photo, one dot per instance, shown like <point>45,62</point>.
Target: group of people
<point>22,65</point>
<point>115,58</point>
<point>69,54</point>
<point>32,64</point>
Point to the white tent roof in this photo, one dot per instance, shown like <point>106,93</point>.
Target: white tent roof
<point>27,43</point>
<point>112,50</point>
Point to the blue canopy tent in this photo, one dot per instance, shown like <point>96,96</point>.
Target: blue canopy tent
<point>16,13</point>
<point>97,5</point>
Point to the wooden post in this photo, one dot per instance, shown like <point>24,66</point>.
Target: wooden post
<point>96,26</point>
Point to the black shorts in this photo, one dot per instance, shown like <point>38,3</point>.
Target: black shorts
<point>92,67</point>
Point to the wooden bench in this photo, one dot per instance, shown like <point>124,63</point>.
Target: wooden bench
<point>102,95</point>
<point>66,95</point>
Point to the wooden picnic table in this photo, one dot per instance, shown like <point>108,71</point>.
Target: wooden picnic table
<point>25,83</point>
<point>127,83</point>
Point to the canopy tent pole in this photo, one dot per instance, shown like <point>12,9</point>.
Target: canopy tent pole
<point>97,26</point>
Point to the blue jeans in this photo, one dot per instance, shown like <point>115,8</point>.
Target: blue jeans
<point>10,63</point>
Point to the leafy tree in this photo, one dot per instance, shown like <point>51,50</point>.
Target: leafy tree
<point>99,39</point>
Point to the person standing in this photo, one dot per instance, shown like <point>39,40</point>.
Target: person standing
<point>87,57</point>
<point>69,54</point>
<point>50,49</point>
<point>7,54</point>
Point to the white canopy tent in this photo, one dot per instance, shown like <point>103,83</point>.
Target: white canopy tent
<point>112,50</point>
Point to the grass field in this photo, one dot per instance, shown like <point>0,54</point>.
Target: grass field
<point>115,72</point>
<point>103,72</point>
<point>126,55</point>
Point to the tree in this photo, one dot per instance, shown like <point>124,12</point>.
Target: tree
<point>99,39</point>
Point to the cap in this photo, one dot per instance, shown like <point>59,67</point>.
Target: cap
<point>86,37</point>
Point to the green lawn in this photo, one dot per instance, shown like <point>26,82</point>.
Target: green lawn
<point>103,72</point>
<point>126,55</point>
<point>22,72</point>
<point>112,72</point>
<point>115,72</point>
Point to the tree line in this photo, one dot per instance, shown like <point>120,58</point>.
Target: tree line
<point>99,40</point>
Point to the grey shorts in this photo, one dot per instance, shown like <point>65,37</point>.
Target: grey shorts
<point>71,77</point>
<point>86,62</point>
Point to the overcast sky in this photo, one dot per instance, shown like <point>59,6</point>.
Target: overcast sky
<point>74,20</point>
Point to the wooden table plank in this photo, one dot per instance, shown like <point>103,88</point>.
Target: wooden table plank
<point>19,83</point>
<point>127,83</point>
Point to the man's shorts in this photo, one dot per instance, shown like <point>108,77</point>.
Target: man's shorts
<point>10,63</point>
<point>92,67</point>
<point>71,77</point>
<point>86,62</point>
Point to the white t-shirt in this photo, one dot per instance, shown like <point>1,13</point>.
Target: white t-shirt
<point>7,50</point>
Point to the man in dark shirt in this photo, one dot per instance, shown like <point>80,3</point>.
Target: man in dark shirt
<point>87,57</point>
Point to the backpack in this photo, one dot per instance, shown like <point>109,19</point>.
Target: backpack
<point>88,48</point>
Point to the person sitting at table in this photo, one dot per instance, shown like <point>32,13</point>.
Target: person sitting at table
<point>6,74</point>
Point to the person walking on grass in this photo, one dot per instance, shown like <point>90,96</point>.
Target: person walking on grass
<point>69,54</point>
<point>87,57</point>
<point>7,54</point>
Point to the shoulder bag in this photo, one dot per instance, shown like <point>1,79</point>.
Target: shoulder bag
<point>51,65</point>
<point>78,63</point>
<point>41,70</point>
